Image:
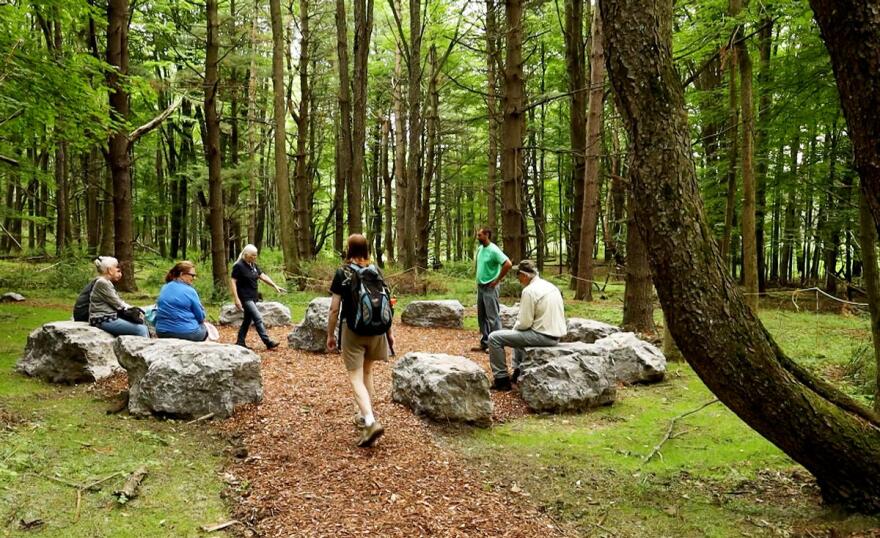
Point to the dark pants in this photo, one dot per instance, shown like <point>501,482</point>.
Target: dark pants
<point>487,312</point>
<point>252,315</point>
<point>198,335</point>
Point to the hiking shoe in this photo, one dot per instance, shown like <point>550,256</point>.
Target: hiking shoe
<point>480,349</point>
<point>359,422</point>
<point>272,345</point>
<point>501,384</point>
<point>515,376</point>
<point>370,435</point>
<point>242,344</point>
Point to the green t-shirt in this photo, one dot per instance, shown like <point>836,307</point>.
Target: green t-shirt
<point>489,262</point>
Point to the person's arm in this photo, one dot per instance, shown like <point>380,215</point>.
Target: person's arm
<point>332,317</point>
<point>196,306</point>
<point>234,287</point>
<point>107,293</point>
<point>265,278</point>
<point>526,312</point>
<point>504,269</point>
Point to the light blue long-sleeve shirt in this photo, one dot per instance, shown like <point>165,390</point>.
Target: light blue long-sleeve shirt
<point>180,310</point>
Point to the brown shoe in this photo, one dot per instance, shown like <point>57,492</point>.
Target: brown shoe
<point>480,349</point>
<point>370,435</point>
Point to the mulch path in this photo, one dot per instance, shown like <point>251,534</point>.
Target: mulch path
<point>306,477</point>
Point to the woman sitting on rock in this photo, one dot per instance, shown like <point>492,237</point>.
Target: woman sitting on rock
<point>180,313</point>
<point>105,303</point>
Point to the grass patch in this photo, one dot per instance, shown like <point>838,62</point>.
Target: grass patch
<point>63,432</point>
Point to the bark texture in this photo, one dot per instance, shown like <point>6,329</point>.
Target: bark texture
<point>822,429</point>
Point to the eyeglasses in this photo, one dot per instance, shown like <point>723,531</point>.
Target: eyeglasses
<point>191,274</point>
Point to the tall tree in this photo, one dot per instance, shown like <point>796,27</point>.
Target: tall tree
<point>868,240</point>
<point>512,131</point>
<point>414,131</point>
<point>832,436</point>
<point>363,28</point>
<point>212,149</point>
<point>344,151</point>
<point>590,211</point>
<point>575,64</point>
<point>303,182</point>
<point>282,182</point>
<point>491,110</point>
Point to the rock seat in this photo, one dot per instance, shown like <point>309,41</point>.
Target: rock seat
<point>69,352</point>
<point>445,313</point>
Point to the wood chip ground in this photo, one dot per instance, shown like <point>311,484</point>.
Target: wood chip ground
<point>306,477</point>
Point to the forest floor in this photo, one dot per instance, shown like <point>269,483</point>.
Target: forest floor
<point>290,467</point>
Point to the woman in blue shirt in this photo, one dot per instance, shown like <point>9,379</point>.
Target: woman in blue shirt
<point>180,312</point>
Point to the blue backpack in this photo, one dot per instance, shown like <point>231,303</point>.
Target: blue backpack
<point>373,312</point>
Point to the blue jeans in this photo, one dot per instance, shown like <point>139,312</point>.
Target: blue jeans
<point>252,315</point>
<point>120,327</point>
<point>518,340</point>
<point>198,335</point>
<point>487,312</point>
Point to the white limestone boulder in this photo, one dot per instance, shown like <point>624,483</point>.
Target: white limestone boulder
<point>444,313</point>
<point>69,352</point>
<point>188,379</point>
<point>587,330</point>
<point>274,314</point>
<point>442,387</point>
<point>633,360</point>
<point>311,334</point>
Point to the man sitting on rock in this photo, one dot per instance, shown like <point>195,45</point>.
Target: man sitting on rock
<point>541,323</point>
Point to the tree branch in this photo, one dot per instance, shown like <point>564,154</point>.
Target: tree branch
<point>153,123</point>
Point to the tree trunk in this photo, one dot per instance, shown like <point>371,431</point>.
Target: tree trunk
<point>832,436</point>
<point>790,225</point>
<point>749,244</point>
<point>849,29</point>
<point>492,63</point>
<point>401,186</point>
<point>575,64</point>
<point>432,121</point>
<point>589,217</point>
<point>732,155</point>
<point>386,182</point>
<point>344,149</point>
<point>303,199</point>
<point>212,150</point>
<point>638,295</point>
<point>282,182</point>
<point>363,28</point>
<point>118,147</point>
<point>414,129</point>
<point>868,238</point>
<point>765,36</point>
<point>512,132</point>
<point>252,134</point>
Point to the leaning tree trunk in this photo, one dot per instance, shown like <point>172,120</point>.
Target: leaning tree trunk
<point>828,433</point>
<point>851,30</point>
<point>590,213</point>
<point>282,183</point>
<point>212,150</point>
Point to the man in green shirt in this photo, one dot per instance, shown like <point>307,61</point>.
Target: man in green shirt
<point>492,266</point>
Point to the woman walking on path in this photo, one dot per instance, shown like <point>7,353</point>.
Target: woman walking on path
<point>246,275</point>
<point>358,351</point>
<point>180,312</point>
<point>105,303</point>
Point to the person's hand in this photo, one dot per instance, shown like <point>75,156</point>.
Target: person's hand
<point>493,283</point>
<point>390,341</point>
<point>238,305</point>
<point>279,289</point>
<point>331,342</point>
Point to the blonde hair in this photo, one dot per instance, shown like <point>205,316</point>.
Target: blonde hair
<point>247,250</point>
<point>105,263</point>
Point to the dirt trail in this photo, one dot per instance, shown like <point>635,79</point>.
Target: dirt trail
<point>307,478</point>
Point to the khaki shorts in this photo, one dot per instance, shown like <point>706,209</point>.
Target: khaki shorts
<point>356,348</point>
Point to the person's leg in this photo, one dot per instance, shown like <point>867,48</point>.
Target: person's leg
<point>245,325</point>
<point>368,382</point>
<point>493,310</point>
<point>530,339</point>
<point>121,327</point>
<point>361,393</point>
<point>258,323</point>
<point>497,355</point>
<point>481,319</point>
<point>198,335</point>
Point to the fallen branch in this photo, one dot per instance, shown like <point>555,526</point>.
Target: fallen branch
<point>94,485</point>
<point>669,435</point>
<point>59,480</point>
<point>130,489</point>
<point>219,526</point>
<point>201,418</point>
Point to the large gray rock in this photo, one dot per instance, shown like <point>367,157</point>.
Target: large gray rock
<point>570,381</point>
<point>311,334</point>
<point>449,313</point>
<point>443,387</point>
<point>274,314</point>
<point>587,330</point>
<point>11,297</point>
<point>508,315</point>
<point>69,352</point>
<point>633,360</point>
<point>188,379</point>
